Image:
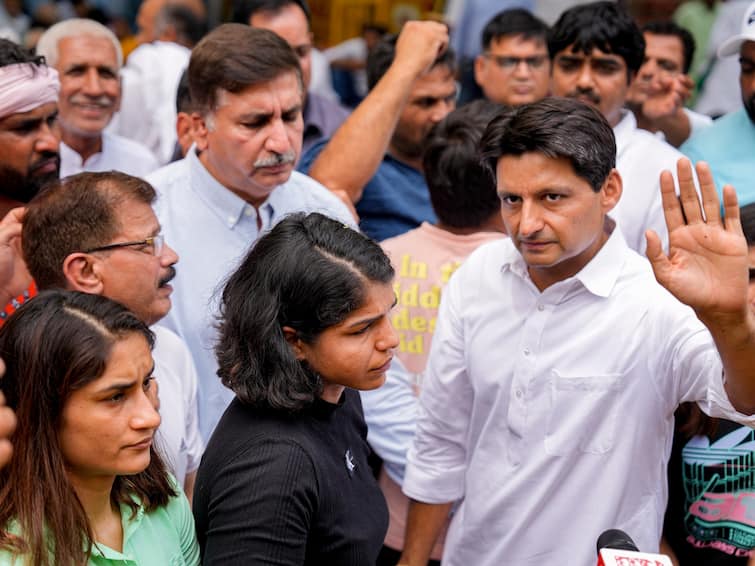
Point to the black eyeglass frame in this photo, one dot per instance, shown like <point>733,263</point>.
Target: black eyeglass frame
<point>157,242</point>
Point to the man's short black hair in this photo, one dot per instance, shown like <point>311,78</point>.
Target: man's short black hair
<point>183,94</point>
<point>603,25</point>
<point>555,127</point>
<point>516,21</point>
<point>243,10</point>
<point>381,58</point>
<point>188,26</point>
<point>461,189</point>
<point>671,28</point>
<point>12,53</point>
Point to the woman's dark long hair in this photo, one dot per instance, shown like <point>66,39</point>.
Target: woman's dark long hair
<point>307,273</point>
<point>55,344</point>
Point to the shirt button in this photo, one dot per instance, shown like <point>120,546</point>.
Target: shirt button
<point>526,352</point>
<point>540,307</point>
<point>231,219</point>
<point>518,393</point>
<point>247,211</point>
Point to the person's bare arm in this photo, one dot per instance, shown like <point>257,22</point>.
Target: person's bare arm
<point>354,153</point>
<point>423,525</point>
<point>189,481</point>
<point>707,269</point>
<point>668,551</point>
<point>7,426</point>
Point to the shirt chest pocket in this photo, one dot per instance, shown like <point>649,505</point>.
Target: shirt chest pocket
<point>584,413</point>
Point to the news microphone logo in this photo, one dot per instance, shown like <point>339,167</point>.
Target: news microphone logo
<point>616,548</point>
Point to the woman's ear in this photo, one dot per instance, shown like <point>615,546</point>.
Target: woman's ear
<point>292,337</point>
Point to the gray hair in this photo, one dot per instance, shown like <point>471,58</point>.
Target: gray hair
<point>74,27</point>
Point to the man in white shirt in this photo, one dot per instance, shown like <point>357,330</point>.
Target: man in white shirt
<point>168,29</point>
<point>596,50</point>
<point>235,183</point>
<point>96,233</point>
<point>88,58</point>
<point>662,86</point>
<point>557,362</point>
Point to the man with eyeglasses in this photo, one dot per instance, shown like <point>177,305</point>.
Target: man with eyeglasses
<point>374,160</point>
<point>290,19</point>
<point>729,144</point>
<point>596,50</point>
<point>97,233</point>
<point>514,67</point>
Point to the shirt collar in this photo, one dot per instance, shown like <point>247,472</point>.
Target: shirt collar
<point>313,115</point>
<point>224,203</point>
<point>623,131</point>
<point>599,276</point>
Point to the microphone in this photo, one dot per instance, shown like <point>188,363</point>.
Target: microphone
<point>616,548</point>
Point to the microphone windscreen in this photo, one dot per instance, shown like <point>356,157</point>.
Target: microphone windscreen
<point>616,539</point>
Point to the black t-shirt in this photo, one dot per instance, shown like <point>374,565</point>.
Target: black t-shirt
<point>290,490</point>
<point>710,518</point>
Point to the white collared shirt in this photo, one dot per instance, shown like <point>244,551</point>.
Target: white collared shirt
<point>550,415</point>
<point>178,440</point>
<point>118,154</point>
<point>640,158</point>
<point>211,229</point>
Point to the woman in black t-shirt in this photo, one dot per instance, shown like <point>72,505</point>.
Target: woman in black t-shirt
<point>285,478</point>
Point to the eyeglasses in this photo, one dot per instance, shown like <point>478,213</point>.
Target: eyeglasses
<point>510,63</point>
<point>152,245</point>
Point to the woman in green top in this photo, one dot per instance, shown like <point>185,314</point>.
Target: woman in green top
<point>85,484</point>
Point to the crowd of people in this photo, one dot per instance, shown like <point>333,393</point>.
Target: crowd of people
<point>247,324</point>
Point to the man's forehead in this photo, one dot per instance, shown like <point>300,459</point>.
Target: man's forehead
<point>134,217</point>
<point>671,45</point>
<point>438,81</point>
<point>290,20</point>
<point>39,113</point>
<point>592,52</point>
<point>87,49</point>
<point>253,98</point>
<point>505,43</point>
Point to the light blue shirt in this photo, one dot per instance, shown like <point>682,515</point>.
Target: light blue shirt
<point>728,146</point>
<point>390,412</point>
<point>211,229</point>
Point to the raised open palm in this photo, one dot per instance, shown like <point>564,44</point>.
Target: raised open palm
<point>707,263</point>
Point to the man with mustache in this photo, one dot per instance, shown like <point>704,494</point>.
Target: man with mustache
<point>235,183</point>
<point>596,51</point>
<point>729,144</point>
<point>88,58</point>
<point>29,134</point>
<point>96,233</point>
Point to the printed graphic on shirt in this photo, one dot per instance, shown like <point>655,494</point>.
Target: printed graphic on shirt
<point>719,484</point>
<point>418,295</point>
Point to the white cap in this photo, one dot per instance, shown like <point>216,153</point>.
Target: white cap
<point>731,46</point>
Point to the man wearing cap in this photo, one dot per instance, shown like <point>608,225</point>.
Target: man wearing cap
<point>729,144</point>
<point>29,136</point>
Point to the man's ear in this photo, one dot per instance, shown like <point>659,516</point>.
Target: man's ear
<point>83,272</point>
<point>199,130</point>
<point>292,337</point>
<point>479,69</point>
<point>611,190</point>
